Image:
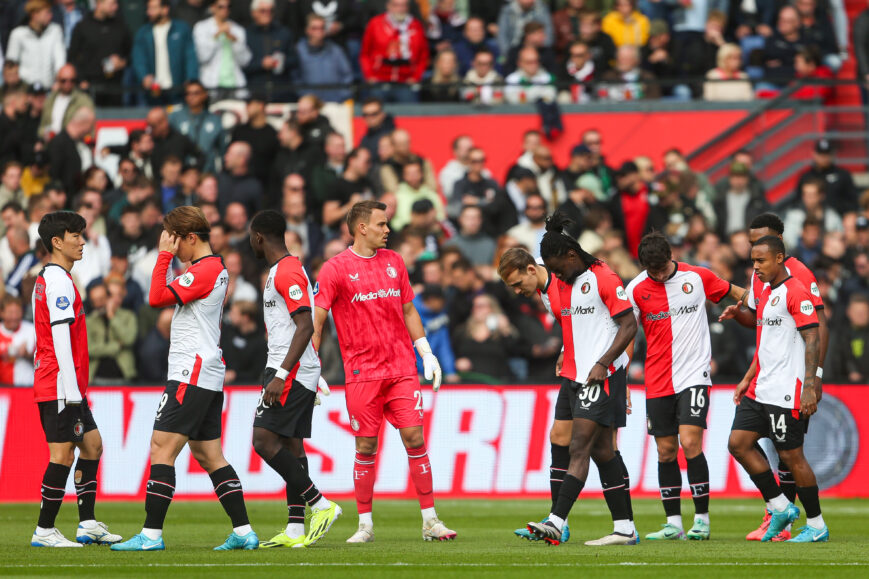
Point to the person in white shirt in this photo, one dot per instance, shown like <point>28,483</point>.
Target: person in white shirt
<point>529,82</point>
<point>457,167</point>
<point>221,46</point>
<point>17,344</point>
<point>37,46</point>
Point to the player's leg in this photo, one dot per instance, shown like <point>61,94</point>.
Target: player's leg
<point>365,408</point>
<point>618,385</point>
<point>612,481</point>
<point>85,476</point>
<point>758,533</point>
<point>662,422</point>
<point>693,406</point>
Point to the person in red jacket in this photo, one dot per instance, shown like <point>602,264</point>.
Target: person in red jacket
<point>394,50</point>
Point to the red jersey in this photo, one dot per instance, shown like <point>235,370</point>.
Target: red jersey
<point>801,273</point>
<point>56,301</point>
<point>367,297</point>
<point>673,316</point>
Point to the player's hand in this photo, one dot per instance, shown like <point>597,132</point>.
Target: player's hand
<point>597,375</point>
<point>808,402</point>
<point>730,312</point>
<point>169,242</point>
<point>323,386</point>
<point>273,391</point>
<point>628,407</point>
<point>432,370</point>
<point>559,363</point>
<point>741,389</point>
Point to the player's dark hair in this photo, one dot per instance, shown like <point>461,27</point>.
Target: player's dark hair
<point>270,224</point>
<point>57,224</point>
<point>557,241</point>
<point>775,244</point>
<point>770,221</point>
<point>362,212</point>
<point>654,251</point>
<point>514,259</point>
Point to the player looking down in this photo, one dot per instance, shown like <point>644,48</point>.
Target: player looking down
<point>283,415</point>
<point>60,384</point>
<point>777,400</point>
<point>597,328</point>
<point>191,408</point>
<point>367,289</point>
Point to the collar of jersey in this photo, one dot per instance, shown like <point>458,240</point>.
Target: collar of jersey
<point>362,256</point>
<point>772,287</point>
<point>206,257</point>
<point>56,265</point>
<point>281,259</point>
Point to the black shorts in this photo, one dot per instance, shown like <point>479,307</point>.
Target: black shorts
<point>566,402</point>
<point>595,404</point>
<point>190,410</point>
<point>664,415</point>
<point>293,418</point>
<point>784,426</point>
<point>70,425</point>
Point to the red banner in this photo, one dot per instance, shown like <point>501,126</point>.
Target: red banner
<point>490,441</point>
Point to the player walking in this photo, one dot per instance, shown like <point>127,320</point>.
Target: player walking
<point>60,386</point>
<point>368,291</point>
<point>596,327</point>
<point>778,400</point>
<point>669,300</point>
<point>191,408</point>
<point>770,224</point>
<point>283,415</point>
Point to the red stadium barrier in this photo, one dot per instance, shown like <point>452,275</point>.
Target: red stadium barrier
<point>484,441</point>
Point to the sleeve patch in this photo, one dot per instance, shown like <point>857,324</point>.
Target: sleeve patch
<point>316,287</point>
<point>806,307</point>
<point>621,294</point>
<point>815,290</point>
<point>62,302</point>
<point>186,280</point>
<point>295,292</point>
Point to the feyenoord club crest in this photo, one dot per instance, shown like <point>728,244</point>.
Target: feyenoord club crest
<point>687,288</point>
<point>354,424</point>
<point>78,429</point>
<point>585,288</point>
<point>390,271</point>
<point>774,301</point>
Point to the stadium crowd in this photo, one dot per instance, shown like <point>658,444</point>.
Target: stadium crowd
<point>450,224</point>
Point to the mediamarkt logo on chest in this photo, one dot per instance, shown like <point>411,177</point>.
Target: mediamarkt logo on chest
<point>379,294</point>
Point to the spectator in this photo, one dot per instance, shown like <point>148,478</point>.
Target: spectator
<point>235,184</point>
<point>521,184</point>
<point>841,193</point>
<point>529,233</point>
<point>55,195</point>
<point>626,25</point>
<point>729,83</point>
<point>322,62</point>
<point>627,81</point>
<point>817,29</point>
<point>221,46</point>
<point>566,23</point>
<point>807,64</point>
<point>630,206</point>
<point>860,35</point>
<point>740,204</point>
<point>260,135</point>
<point>533,36</point>
<point>754,20</point>
<point>813,206</point>
<point>394,50</point>
<point>809,245</point>
<point>485,341</point>
<point>170,181</point>
<point>402,154</point>
<point>25,259</point>
<point>378,122</point>
<point>471,240</point>
<point>530,82</point>
<point>17,344</point>
<point>743,157</point>
<point>294,156</point>
<point>780,49</point>
<point>67,14</point>
<point>540,163</point>
<point>477,188</point>
<point>236,221</point>
<point>850,349</point>
<point>12,128</point>
<point>68,152</point>
<point>38,45</point>
<point>578,72</point>
<point>10,185</point>
<point>657,55</point>
<point>201,126</point>
<point>164,54</point>
<point>513,18</point>
<point>315,126</point>
<point>243,344</point>
<point>581,198</point>
<point>430,304</point>
<point>473,40</point>
<point>352,187</point>
<point>12,215</point>
<point>695,51</point>
<point>96,258</point>
<point>112,331</point>
<point>153,362</point>
<point>343,18</point>
<point>298,220</point>
<point>444,24</point>
<point>168,141</point>
<point>139,189</point>
<point>457,167</point>
<point>239,289</point>
<point>191,11</point>
<point>141,151</point>
<point>62,103</point>
<point>411,189</point>
<point>603,49</point>
<point>482,82</point>
<point>581,162</point>
<point>11,78</point>
<point>100,50</point>
<point>443,86</point>
<point>272,57</point>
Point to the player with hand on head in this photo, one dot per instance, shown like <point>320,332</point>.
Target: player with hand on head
<point>191,408</point>
<point>777,400</point>
<point>367,289</point>
<point>761,226</point>
<point>597,328</point>
<point>290,378</point>
<point>669,301</point>
<point>60,384</point>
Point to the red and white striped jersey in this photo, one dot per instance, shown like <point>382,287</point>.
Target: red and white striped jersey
<point>673,316</point>
<point>783,311</point>
<point>587,308</point>
<point>56,301</point>
<point>549,294</point>
<point>195,356</point>
<point>804,275</point>
<point>289,293</point>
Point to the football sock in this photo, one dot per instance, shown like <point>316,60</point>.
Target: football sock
<point>85,476</point>
<point>627,477</point>
<point>557,470</point>
<point>613,482</point>
<point>670,482</point>
<point>53,489</point>
<point>786,482</point>
<point>567,495</point>
<point>770,490</point>
<point>300,489</point>
<point>420,474</point>
<point>366,519</point>
<point>158,496</point>
<point>809,498</point>
<point>698,480</point>
<point>296,507</point>
<point>363,481</point>
<point>227,487</point>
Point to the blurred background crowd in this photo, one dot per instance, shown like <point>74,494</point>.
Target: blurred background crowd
<point>449,223</point>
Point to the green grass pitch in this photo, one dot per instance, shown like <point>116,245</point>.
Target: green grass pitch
<point>486,546</point>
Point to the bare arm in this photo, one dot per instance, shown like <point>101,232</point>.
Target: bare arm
<point>627,324</point>
<point>737,294</point>
<point>808,399</point>
<point>824,335</point>
<point>744,316</point>
<point>319,320</point>
<point>413,322</point>
<point>298,345</point>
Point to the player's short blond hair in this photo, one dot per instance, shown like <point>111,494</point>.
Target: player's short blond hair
<point>184,220</point>
<point>514,259</point>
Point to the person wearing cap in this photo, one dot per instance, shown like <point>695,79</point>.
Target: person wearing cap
<point>841,193</point>
<point>431,305</point>
<point>322,62</point>
<point>260,135</point>
<point>273,58</point>
<point>201,126</point>
<point>37,46</point>
<point>63,102</point>
<point>739,204</point>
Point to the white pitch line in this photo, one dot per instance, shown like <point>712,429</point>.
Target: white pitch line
<point>450,565</point>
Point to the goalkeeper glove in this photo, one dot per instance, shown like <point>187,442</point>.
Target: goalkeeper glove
<point>430,364</point>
